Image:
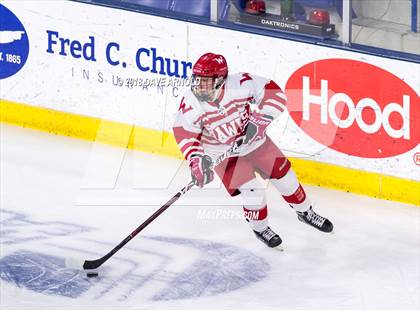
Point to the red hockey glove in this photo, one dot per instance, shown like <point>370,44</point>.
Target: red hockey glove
<point>256,127</point>
<point>201,169</point>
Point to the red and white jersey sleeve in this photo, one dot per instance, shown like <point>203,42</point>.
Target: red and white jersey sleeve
<point>269,97</point>
<point>187,130</point>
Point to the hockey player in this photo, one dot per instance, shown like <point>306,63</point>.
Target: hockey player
<point>220,109</point>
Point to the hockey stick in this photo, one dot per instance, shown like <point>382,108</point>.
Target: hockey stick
<point>94,264</point>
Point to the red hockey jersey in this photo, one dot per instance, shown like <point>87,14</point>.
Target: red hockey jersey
<point>212,127</point>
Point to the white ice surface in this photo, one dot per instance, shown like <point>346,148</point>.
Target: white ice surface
<point>370,262</point>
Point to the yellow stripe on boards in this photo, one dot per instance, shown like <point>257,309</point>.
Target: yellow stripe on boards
<point>89,128</point>
<point>163,143</point>
<point>397,189</point>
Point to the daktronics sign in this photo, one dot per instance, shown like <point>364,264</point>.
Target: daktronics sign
<point>354,108</point>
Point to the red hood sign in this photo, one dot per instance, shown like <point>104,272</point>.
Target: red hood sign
<point>354,108</point>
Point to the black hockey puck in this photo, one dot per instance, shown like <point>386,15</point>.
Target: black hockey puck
<point>92,274</point>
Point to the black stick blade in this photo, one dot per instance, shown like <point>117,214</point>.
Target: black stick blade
<point>92,264</point>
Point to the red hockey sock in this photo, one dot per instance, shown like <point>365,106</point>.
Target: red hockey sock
<point>298,200</point>
<point>257,218</point>
<point>291,190</point>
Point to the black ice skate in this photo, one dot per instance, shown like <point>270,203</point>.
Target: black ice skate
<point>311,218</point>
<point>269,237</point>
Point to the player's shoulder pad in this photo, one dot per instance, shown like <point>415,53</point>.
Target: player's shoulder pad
<point>240,78</point>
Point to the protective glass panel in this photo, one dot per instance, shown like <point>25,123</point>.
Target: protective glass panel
<point>196,9</point>
<point>388,24</point>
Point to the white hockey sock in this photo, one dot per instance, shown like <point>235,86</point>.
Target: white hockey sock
<point>254,204</point>
<point>291,190</point>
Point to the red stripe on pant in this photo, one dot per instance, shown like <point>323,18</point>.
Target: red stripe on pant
<point>256,215</point>
<point>297,197</point>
